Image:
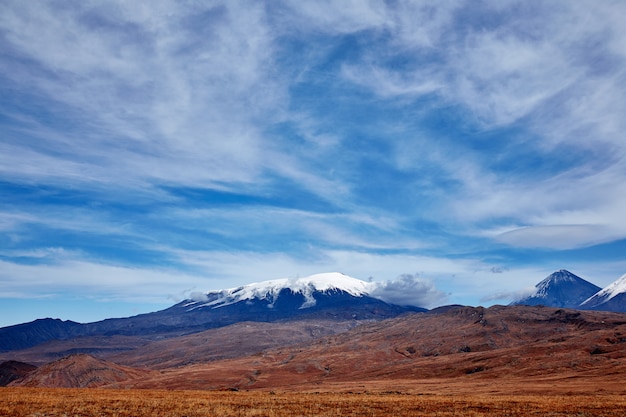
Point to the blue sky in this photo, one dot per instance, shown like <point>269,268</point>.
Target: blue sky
<point>461,150</point>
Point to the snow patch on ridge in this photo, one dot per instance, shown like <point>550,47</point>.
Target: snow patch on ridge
<point>270,290</point>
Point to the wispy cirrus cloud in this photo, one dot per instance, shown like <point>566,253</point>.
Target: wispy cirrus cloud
<point>530,68</point>
<point>374,138</point>
<point>154,99</point>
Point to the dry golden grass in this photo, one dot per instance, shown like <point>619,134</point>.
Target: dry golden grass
<point>65,402</point>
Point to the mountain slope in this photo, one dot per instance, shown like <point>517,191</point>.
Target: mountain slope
<point>610,298</point>
<point>99,346</point>
<point>560,289</point>
<point>234,341</point>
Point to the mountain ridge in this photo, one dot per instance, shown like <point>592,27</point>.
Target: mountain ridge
<point>343,337</point>
<point>322,297</point>
<point>480,347</point>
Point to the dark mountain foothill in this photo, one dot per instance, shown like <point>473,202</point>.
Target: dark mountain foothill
<point>14,370</point>
<point>30,334</point>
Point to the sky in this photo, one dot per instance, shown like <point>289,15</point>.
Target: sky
<point>454,151</point>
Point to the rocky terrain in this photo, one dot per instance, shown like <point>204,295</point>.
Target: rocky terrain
<point>493,348</point>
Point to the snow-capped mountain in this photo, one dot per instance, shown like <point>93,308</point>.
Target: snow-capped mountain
<point>270,291</point>
<point>610,298</point>
<point>331,296</point>
<point>560,289</point>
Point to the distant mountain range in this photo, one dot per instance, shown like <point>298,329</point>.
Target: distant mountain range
<point>325,329</point>
<point>322,304</point>
<point>331,296</point>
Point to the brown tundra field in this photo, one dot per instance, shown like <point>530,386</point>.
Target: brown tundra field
<point>71,402</point>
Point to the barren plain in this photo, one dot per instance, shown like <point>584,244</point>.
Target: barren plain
<point>138,403</point>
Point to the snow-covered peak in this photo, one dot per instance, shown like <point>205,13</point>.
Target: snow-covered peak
<point>560,289</point>
<point>270,290</point>
<point>562,275</point>
<point>556,278</point>
<point>615,288</point>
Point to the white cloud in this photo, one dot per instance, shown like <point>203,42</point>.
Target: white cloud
<point>337,18</point>
<point>579,208</point>
<point>362,229</point>
<point>558,68</point>
<point>186,106</point>
<point>558,236</point>
<point>93,280</point>
<point>392,84</point>
<point>438,280</point>
<point>198,296</point>
<point>508,296</point>
<point>503,78</point>
<point>409,289</point>
<point>159,96</point>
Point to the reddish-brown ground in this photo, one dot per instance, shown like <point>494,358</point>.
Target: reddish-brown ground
<point>501,349</point>
<point>238,340</point>
<point>80,371</point>
<point>139,403</point>
<point>464,350</point>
